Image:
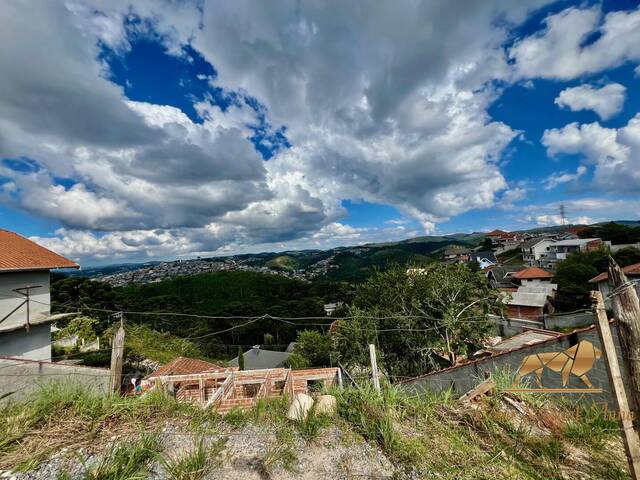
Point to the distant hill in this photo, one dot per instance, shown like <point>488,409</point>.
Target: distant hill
<point>351,264</point>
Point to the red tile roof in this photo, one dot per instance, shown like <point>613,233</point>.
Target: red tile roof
<point>531,273</point>
<point>631,270</point>
<point>498,233</point>
<point>19,253</point>
<point>184,366</point>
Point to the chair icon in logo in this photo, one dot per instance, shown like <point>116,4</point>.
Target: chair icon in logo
<point>577,360</point>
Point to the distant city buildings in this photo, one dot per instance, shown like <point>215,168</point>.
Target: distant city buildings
<point>161,271</point>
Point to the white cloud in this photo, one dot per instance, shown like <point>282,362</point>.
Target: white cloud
<point>581,211</point>
<point>559,50</point>
<point>614,152</point>
<point>386,105</point>
<point>559,178</point>
<point>606,101</point>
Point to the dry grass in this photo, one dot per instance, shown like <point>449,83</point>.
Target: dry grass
<point>426,434</point>
<point>65,415</point>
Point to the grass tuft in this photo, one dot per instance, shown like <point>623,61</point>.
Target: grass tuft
<point>126,461</point>
<point>312,425</point>
<point>197,463</point>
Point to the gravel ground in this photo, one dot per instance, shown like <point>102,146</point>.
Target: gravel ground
<point>333,455</point>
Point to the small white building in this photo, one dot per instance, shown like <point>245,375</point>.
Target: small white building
<point>561,249</point>
<point>25,315</point>
<point>536,249</point>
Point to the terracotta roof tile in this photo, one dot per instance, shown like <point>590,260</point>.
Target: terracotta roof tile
<point>632,270</point>
<point>19,253</point>
<point>184,366</point>
<point>531,273</point>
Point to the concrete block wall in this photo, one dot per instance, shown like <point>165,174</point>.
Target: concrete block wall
<point>568,320</point>
<point>24,377</point>
<point>464,377</point>
<point>508,327</point>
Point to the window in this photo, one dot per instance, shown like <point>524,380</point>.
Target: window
<point>250,391</point>
<point>314,386</point>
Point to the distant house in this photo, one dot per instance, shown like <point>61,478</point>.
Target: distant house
<point>576,229</point>
<point>561,249</point>
<point>604,285</point>
<point>329,308</point>
<point>484,258</point>
<point>456,254</point>
<point>503,241</point>
<point>530,303</point>
<point>532,275</point>
<point>258,359</point>
<point>183,366</point>
<point>25,316</point>
<point>501,276</point>
<point>498,236</point>
<point>536,249</point>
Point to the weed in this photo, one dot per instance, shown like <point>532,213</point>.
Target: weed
<point>63,475</point>
<point>365,409</point>
<point>312,425</point>
<point>197,463</point>
<point>591,425</point>
<point>271,410</point>
<point>278,454</point>
<point>237,417</point>
<point>127,461</point>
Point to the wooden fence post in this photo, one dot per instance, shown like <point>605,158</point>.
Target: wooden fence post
<point>626,309</point>
<point>374,366</point>
<point>630,436</point>
<point>117,355</point>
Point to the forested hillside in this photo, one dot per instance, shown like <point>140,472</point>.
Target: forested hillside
<point>222,294</point>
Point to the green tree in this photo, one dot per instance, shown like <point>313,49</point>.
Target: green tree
<point>614,232</point>
<point>416,319</point>
<point>627,256</point>
<point>573,275</point>
<point>83,327</point>
<point>486,244</point>
<point>313,349</point>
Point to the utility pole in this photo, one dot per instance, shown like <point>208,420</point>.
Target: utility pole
<point>630,435</point>
<point>626,309</point>
<point>117,355</point>
<point>374,366</point>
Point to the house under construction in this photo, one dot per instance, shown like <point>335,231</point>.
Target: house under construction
<point>226,388</point>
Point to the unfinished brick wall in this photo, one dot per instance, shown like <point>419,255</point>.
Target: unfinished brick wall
<point>249,386</point>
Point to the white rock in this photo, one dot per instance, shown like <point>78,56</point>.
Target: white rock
<point>299,408</point>
<point>326,405</point>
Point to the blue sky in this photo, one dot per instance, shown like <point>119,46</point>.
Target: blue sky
<point>173,129</point>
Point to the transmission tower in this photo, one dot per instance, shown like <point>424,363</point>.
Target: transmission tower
<point>563,215</point>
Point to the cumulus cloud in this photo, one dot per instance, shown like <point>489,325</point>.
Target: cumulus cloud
<point>606,101</point>
<point>559,178</point>
<point>563,50</point>
<point>375,110</point>
<point>580,211</point>
<point>615,153</point>
<point>386,105</point>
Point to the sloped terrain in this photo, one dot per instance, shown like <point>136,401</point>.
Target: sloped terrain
<point>66,433</point>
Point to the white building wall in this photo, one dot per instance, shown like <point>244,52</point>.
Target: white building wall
<point>32,345</point>
<point>542,249</point>
<point>15,340</point>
